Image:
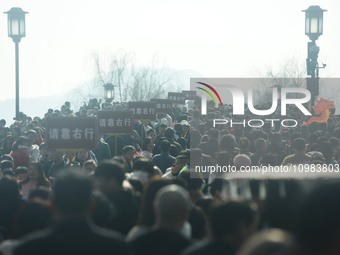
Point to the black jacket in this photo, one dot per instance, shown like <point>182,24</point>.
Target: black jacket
<point>73,237</point>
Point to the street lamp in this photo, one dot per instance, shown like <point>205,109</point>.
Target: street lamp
<point>109,90</point>
<point>313,29</point>
<point>16,30</point>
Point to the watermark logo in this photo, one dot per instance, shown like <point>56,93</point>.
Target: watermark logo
<point>213,95</point>
<point>324,109</point>
<point>238,100</point>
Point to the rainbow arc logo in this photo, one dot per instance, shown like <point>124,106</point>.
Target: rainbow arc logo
<point>210,93</point>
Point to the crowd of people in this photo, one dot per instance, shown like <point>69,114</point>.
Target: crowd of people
<point>139,193</point>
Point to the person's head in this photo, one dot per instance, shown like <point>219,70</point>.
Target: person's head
<point>276,139</point>
<point>9,189</point>
<point>110,176</point>
<point>16,131</point>
<point>31,136</point>
<point>129,152</point>
<point>21,173</point>
<point>20,143</point>
<point>162,128</point>
<point>82,156</point>
<point>169,133</point>
<point>165,146</point>
<point>184,126</point>
<point>195,158</point>
<point>222,158</point>
<point>227,143</point>
<point>244,144</point>
<point>148,144</point>
<point>261,145</point>
<point>151,133</point>
<point>2,122</point>
<point>241,160</point>
<point>193,180</point>
<point>318,225</point>
<point>54,155</point>
<point>213,134</point>
<point>269,159</point>
<point>8,142</point>
<point>36,173</point>
<point>299,144</point>
<point>180,162</point>
<point>89,166</point>
<point>147,213</point>
<point>196,114</point>
<point>195,138</point>
<point>6,166</point>
<point>143,164</point>
<point>171,207</point>
<point>232,222</point>
<point>72,195</point>
<point>219,189</point>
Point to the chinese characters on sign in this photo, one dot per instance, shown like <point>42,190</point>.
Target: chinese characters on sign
<point>115,122</point>
<point>143,110</point>
<point>176,97</point>
<point>189,94</point>
<point>162,105</point>
<point>71,133</point>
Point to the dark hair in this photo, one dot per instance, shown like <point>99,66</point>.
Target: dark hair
<point>128,148</point>
<point>217,185</point>
<point>147,214</point>
<point>20,170</point>
<point>6,164</point>
<point>42,180</point>
<point>222,158</point>
<point>226,218</point>
<point>110,169</point>
<point>165,146</point>
<point>21,140</point>
<point>169,132</point>
<point>151,130</point>
<point>227,142</point>
<point>193,183</point>
<point>9,189</point>
<point>143,164</point>
<point>72,192</point>
<point>269,159</point>
<point>299,144</point>
<point>145,144</point>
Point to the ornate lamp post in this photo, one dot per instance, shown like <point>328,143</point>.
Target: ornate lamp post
<point>313,29</point>
<point>16,30</point>
<point>109,92</point>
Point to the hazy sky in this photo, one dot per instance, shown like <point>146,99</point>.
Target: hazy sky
<point>216,38</point>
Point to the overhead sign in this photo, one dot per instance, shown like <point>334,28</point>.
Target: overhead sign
<point>115,122</point>
<point>189,94</point>
<point>177,97</point>
<point>143,110</point>
<point>71,133</point>
<point>162,105</point>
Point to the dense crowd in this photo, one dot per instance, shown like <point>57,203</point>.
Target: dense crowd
<point>136,193</point>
